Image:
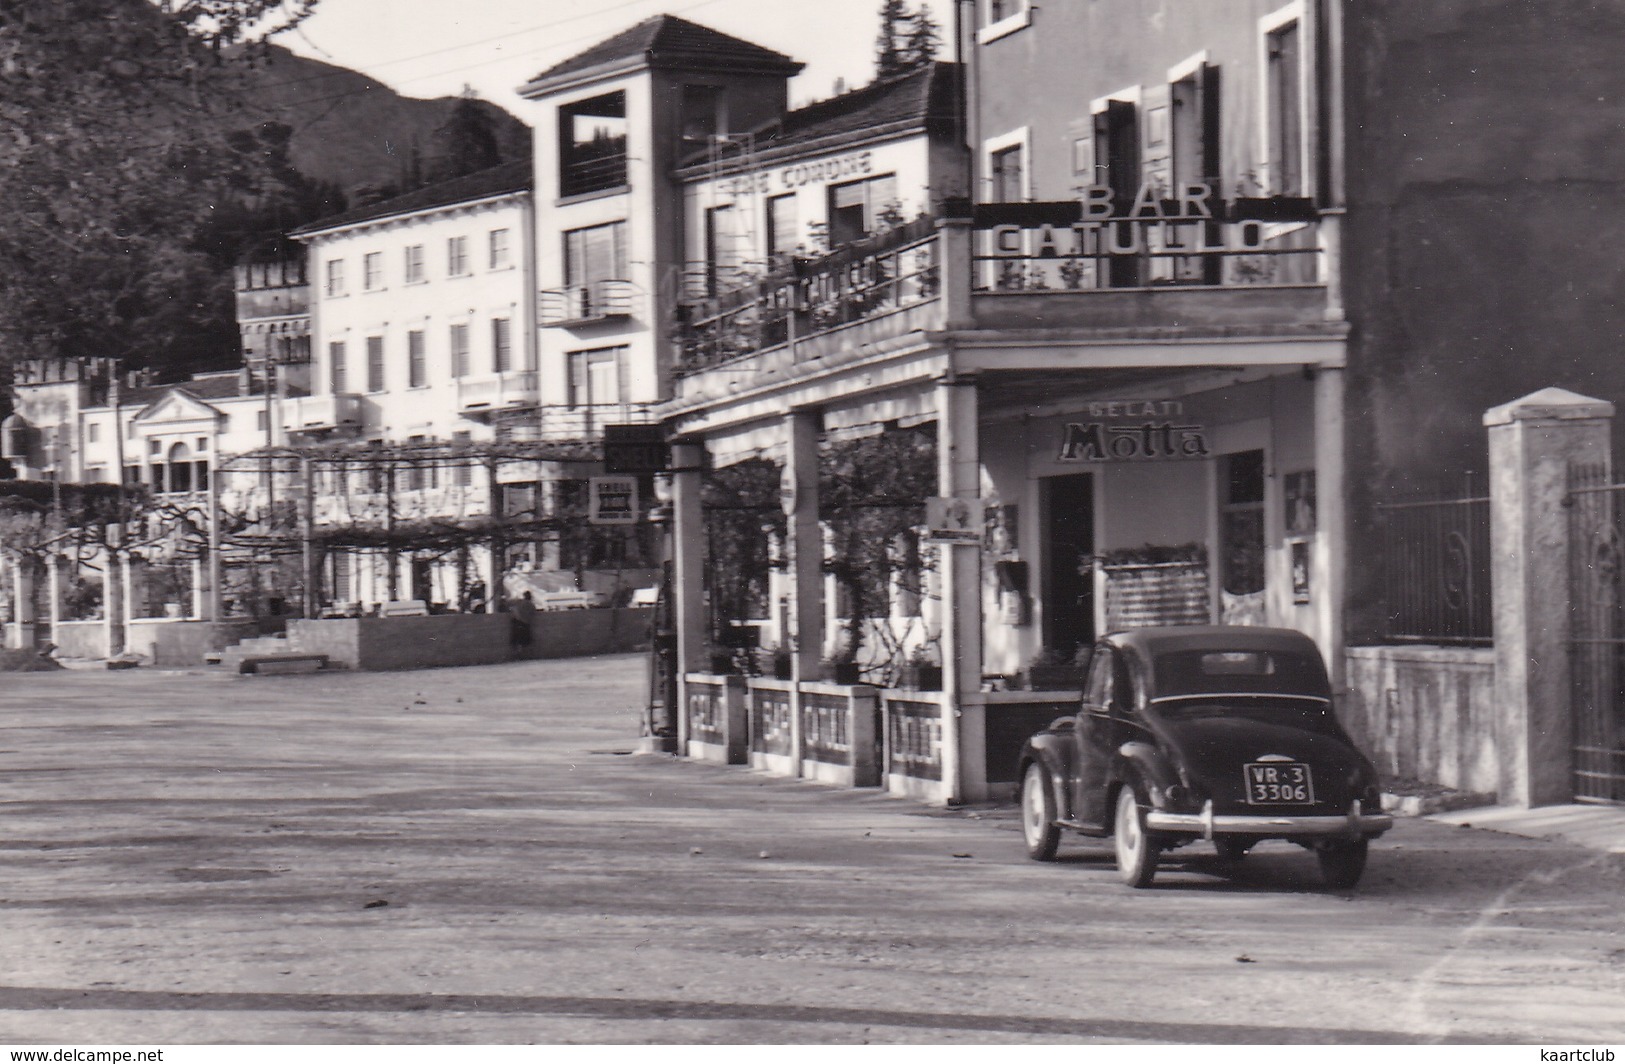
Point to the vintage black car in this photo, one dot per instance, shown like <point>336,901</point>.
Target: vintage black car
<point>1220,733</point>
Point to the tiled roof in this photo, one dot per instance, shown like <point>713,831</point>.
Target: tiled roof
<point>925,99</point>
<point>516,176</point>
<point>206,387</point>
<point>669,41</point>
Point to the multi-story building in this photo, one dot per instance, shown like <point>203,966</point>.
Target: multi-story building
<point>1207,310</point>
<point>424,355</point>
<point>615,124</point>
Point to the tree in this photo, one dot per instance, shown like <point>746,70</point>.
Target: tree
<point>906,41</point>
<point>120,152</point>
<point>466,142</point>
<point>890,46</point>
<point>924,39</point>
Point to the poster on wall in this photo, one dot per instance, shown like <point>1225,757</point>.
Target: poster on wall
<point>1300,571</point>
<point>951,520</point>
<point>1299,492</point>
<point>612,500</point>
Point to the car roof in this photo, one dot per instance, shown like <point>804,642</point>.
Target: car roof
<point>1151,642</point>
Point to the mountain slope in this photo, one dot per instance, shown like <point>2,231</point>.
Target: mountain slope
<point>354,131</point>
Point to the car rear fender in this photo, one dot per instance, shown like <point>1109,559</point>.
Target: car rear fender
<point>1145,768</point>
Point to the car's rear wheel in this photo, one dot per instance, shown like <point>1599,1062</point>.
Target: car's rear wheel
<point>1342,863</point>
<point>1038,814</point>
<point>1232,851</point>
<point>1136,851</point>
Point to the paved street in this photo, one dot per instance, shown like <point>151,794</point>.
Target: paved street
<point>471,855</point>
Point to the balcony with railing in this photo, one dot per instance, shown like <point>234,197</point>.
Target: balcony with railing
<point>592,173</point>
<point>892,281</point>
<point>583,304</point>
<point>481,396</point>
<point>321,413</point>
<point>1160,264</point>
<point>586,422</point>
<point>1022,270</point>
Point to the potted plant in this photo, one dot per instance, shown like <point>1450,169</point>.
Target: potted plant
<point>1053,670</point>
<point>844,672</point>
<point>922,671</point>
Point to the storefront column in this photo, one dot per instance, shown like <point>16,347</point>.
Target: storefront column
<point>804,545</point>
<point>1331,521</point>
<point>959,476</point>
<point>688,576</point>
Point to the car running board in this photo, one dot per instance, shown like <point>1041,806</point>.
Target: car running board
<point>1082,828</point>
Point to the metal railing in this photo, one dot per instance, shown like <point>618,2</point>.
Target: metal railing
<point>1436,571</point>
<point>893,271</point>
<point>592,301</point>
<point>1154,253</point>
<point>579,176</point>
<point>1597,633</point>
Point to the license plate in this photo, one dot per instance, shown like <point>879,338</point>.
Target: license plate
<point>1279,783</point>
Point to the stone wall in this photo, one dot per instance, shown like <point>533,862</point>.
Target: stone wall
<point>80,639</point>
<point>382,643</point>
<point>580,633</point>
<point>1425,712</point>
<point>180,644</point>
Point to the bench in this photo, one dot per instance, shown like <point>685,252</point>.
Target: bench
<point>568,600</point>
<point>282,664</point>
<point>404,608</point>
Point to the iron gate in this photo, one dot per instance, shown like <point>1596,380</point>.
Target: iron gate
<point>1597,634</point>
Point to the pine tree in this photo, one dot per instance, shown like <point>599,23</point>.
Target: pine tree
<point>924,38</point>
<point>890,46</point>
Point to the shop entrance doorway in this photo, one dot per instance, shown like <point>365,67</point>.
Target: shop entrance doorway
<point>1069,585</point>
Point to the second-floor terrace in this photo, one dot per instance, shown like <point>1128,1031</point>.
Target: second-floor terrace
<point>486,395</point>
<point>1024,274</point>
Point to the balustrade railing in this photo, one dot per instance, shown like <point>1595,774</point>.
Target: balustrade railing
<point>893,271</point>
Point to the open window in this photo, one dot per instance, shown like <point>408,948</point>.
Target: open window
<point>1117,164</point>
<point>859,208</point>
<point>592,145</point>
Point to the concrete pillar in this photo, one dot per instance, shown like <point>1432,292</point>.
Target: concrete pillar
<point>199,608</point>
<point>959,476</point>
<point>688,575</point>
<point>804,544</point>
<point>1329,558</point>
<point>22,583</point>
<point>1533,442</point>
<point>133,574</point>
<point>804,551</point>
<point>113,602</point>
<point>955,271</point>
<point>53,591</point>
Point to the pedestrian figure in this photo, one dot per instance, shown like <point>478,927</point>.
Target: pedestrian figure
<point>524,611</point>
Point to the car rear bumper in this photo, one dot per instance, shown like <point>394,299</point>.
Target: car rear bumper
<point>1354,824</point>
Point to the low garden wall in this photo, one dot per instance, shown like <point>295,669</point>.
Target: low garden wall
<point>80,639</point>
<point>386,643</point>
<point>1425,712</point>
<point>180,643</point>
<point>581,633</point>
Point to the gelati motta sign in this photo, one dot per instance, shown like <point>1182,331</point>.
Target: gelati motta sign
<point>1133,430</point>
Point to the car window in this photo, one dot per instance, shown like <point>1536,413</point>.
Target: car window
<point>1200,672</point>
<point>1098,691</point>
<point>1122,684</point>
